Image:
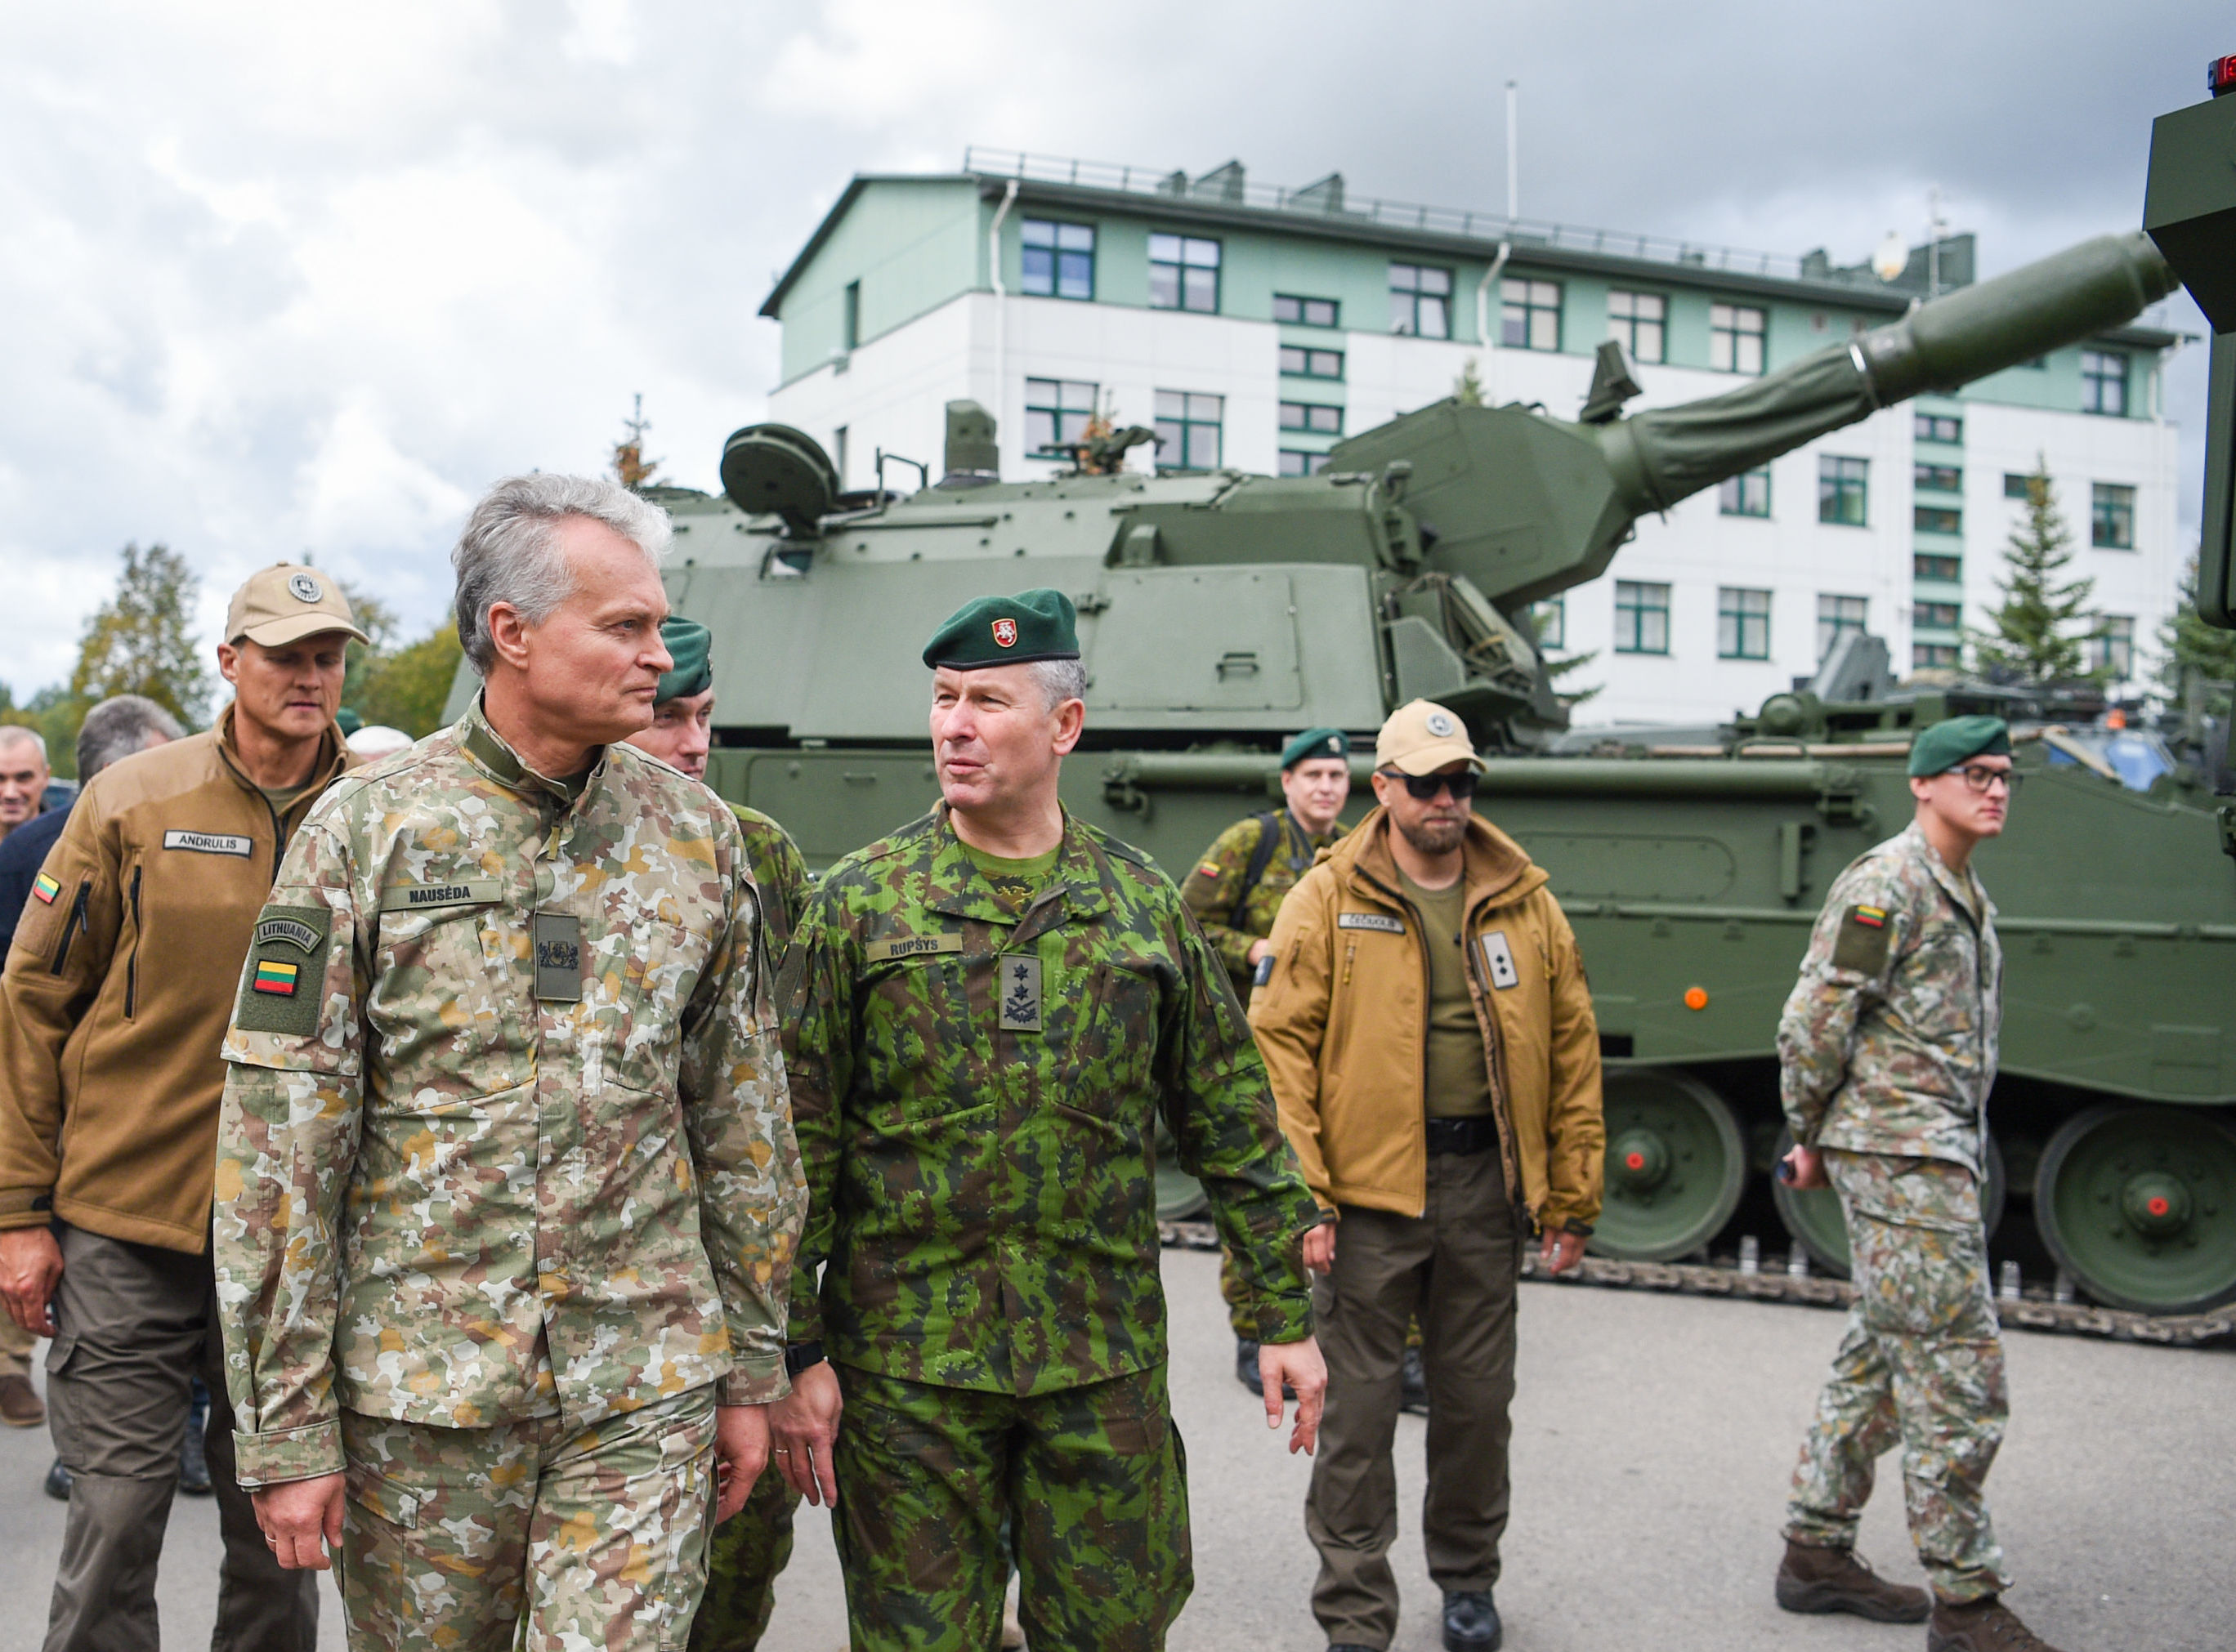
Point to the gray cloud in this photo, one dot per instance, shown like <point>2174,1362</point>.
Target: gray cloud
<point>283,280</point>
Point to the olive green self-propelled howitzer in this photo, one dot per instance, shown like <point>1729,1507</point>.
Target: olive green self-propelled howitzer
<point>1219,612</point>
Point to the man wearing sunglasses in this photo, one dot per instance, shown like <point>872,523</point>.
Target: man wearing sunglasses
<point>1887,1052</point>
<point>1429,1036</point>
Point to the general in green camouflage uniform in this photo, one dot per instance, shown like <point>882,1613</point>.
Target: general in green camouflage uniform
<point>507,1192</point>
<point>1888,1048</point>
<point>979,1052</point>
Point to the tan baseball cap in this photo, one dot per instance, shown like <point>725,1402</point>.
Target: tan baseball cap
<point>285,603</point>
<point>1421,738</point>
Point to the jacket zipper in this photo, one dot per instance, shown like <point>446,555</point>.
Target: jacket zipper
<point>78,921</point>
<point>132,963</point>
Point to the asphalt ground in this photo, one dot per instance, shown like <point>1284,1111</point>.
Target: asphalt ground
<point>1653,1440</point>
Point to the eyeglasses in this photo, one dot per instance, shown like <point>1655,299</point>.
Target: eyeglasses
<point>1424,788</point>
<point>1980,777</point>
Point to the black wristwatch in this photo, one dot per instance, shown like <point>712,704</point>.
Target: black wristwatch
<point>800,1355</point>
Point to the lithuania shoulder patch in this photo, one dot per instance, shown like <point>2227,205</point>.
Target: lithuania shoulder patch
<point>286,965</point>
<point>1209,869</point>
<point>45,889</point>
<point>1862,944</point>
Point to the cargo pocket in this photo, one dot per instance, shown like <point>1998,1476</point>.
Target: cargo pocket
<point>61,1417</point>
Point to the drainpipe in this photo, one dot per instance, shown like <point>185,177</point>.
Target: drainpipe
<point>1001,309</point>
<point>1483,317</point>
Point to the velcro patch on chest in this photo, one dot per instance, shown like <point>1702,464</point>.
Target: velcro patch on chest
<point>1021,992</point>
<point>895,946</point>
<point>1498,959</point>
<point>211,843</point>
<point>460,892</point>
<point>287,961</point>
<point>1381,923</point>
<point>1862,944</point>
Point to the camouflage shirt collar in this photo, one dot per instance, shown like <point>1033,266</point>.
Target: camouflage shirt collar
<point>955,887</point>
<point>501,764</point>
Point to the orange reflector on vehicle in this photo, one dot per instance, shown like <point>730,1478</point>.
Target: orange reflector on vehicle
<point>1696,998</point>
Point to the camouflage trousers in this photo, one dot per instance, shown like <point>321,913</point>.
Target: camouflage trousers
<point>942,1490</point>
<point>1921,1364</point>
<point>528,1535</point>
<point>750,1549</point>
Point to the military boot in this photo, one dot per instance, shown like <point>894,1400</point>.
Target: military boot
<point>1817,1579</point>
<point>1982,1625</point>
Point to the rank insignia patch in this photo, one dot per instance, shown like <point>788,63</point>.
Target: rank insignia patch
<point>272,977</point>
<point>1021,993</point>
<point>46,888</point>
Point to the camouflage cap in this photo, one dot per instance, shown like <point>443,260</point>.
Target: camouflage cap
<point>1940,748</point>
<point>691,646</point>
<point>1006,631</point>
<point>1315,742</point>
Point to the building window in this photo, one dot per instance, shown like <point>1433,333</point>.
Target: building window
<point>1742,623</point>
<point>1841,487</point>
<point>1735,332</point>
<point>2104,383</point>
<point>2113,648</point>
<point>1300,362</point>
<point>1641,618</point>
<point>1548,622</point>
<point>1637,320</point>
<point>1187,428</point>
<point>1530,314</point>
<point>1929,656</point>
<point>1322,418</point>
<point>2016,486</point>
<point>1304,313</point>
<point>1294,463</point>
<point>1935,616</point>
<point>1746,495</point>
<point>1937,519</point>
<point>1420,301</point>
<point>1183,274</point>
<point>1937,478</point>
<point>1950,569</point>
<point>1939,427</point>
<point>1835,617</point>
<point>853,321</point>
<point>1059,260</point>
<point>1057,411</point>
<point>2112,516</point>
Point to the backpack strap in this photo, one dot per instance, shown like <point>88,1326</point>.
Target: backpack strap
<point>1269,835</point>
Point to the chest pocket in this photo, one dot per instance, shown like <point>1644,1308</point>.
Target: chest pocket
<point>1110,1051</point>
<point>637,987</point>
<point>926,1025</point>
<point>1940,984</point>
<point>449,992</point>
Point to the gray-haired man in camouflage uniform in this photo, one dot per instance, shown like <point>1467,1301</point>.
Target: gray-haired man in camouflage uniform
<point>1887,1052</point>
<point>507,1189</point>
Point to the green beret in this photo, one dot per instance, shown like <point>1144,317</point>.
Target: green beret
<point>1944,746</point>
<point>1005,631</point>
<point>1315,742</point>
<point>692,645</point>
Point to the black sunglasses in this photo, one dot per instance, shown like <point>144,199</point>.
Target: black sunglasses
<point>1423,788</point>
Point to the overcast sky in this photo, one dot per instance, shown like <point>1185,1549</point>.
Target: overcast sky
<point>284,279</point>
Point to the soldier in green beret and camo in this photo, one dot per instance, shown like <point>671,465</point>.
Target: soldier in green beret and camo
<point>1887,1052</point>
<point>749,1551</point>
<point>986,1014</point>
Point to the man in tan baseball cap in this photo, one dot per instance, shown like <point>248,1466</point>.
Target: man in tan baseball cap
<point>118,996</point>
<point>1429,1037</point>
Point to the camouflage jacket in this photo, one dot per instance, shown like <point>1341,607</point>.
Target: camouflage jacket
<point>976,1081</point>
<point>504,1133</point>
<point>779,873</point>
<point>1887,1042</point>
<point>1213,889</point>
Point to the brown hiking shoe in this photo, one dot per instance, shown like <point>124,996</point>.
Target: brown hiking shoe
<point>1982,1625</point>
<point>19,1402</point>
<point>1814,1579</point>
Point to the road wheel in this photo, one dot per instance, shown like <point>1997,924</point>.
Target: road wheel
<point>2138,1204</point>
<point>1675,1165</point>
<point>1813,1218</point>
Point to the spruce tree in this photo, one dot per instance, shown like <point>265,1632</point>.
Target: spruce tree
<point>2035,633</point>
<point>1467,388</point>
<point>2190,648</point>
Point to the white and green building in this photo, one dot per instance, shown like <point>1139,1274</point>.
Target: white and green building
<point>1255,327</point>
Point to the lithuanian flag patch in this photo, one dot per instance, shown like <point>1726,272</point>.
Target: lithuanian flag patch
<point>275,978</point>
<point>45,889</point>
<point>1874,916</point>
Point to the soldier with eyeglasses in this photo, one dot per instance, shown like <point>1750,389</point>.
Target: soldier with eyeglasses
<point>1887,1052</point>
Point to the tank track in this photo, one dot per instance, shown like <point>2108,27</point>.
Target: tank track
<point>2032,1310</point>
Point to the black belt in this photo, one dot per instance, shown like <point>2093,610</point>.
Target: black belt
<point>1477,1135</point>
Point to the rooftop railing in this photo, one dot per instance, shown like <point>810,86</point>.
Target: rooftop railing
<point>1228,187</point>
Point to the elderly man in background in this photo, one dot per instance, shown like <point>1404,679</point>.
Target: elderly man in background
<point>508,1193</point>
<point>115,997</point>
<point>23,776</point>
